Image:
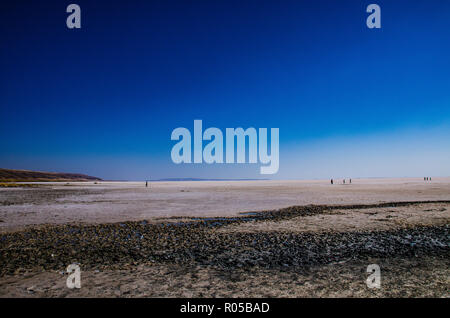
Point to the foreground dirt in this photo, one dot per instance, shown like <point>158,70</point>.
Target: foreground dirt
<point>260,254</point>
<point>411,277</point>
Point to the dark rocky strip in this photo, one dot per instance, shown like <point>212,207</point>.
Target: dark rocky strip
<point>273,250</point>
<point>121,245</point>
<point>295,211</point>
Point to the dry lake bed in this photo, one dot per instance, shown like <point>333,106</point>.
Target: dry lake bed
<point>227,238</point>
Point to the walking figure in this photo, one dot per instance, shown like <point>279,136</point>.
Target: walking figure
<point>350,180</point>
<point>146,184</point>
<point>331,181</point>
<point>344,181</point>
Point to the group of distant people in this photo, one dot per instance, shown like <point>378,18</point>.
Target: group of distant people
<point>343,181</point>
<point>350,180</point>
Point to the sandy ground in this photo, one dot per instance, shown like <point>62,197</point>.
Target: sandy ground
<point>59,203</point>
<point>399,278</point>
<point>422,271</point>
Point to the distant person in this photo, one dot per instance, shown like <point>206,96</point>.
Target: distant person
<point>146,184</point>
<point>350,180</point>
<point>343,181</point>
<point>331,181</point>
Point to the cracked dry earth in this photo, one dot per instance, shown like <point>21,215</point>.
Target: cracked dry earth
<point>301,251</point>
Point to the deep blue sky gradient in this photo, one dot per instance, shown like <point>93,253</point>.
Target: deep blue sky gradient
<point>104,99</point>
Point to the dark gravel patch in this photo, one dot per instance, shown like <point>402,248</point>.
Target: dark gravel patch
<point>120,245</point>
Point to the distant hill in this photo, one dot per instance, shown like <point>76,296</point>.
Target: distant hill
<point>8,175</point>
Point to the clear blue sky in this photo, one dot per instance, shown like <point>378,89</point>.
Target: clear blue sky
<point>104,99</point>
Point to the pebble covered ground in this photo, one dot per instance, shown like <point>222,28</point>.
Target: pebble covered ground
<point>196,242</point>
